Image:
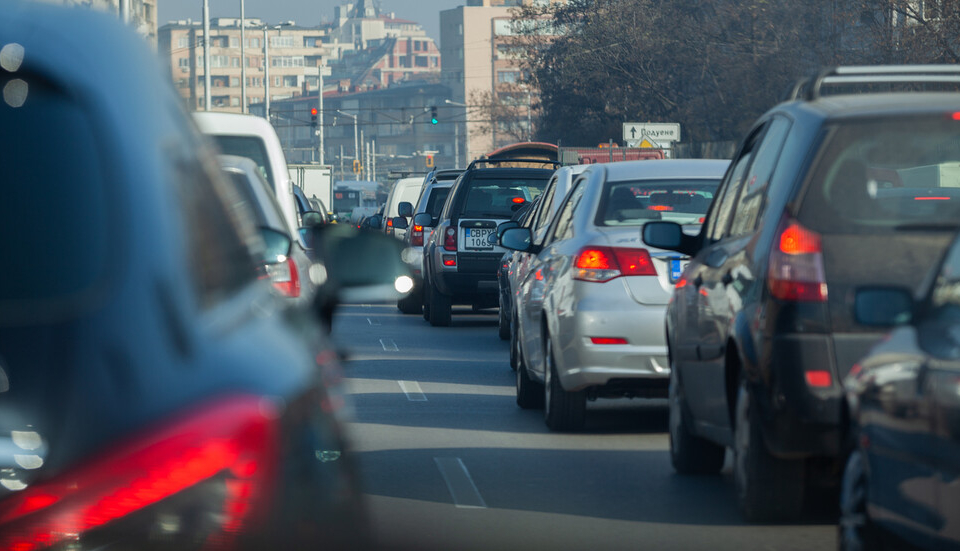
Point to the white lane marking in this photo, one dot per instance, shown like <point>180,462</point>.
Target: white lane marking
<point>413,391</point>
<point>388,345</point>
<point>462,489</point>
<point>373,321</point>
<point>365,306</point>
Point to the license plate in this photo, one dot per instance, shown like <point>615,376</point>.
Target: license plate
<point>476,238</point>
<point>676,269</point>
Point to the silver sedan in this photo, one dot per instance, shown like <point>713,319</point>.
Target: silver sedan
<point>591,306</point>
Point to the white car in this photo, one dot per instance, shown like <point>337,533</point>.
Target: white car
<point>404,190</point>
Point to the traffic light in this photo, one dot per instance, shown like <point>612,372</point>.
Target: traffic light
<point>313,116</point>
<point>433,116</point>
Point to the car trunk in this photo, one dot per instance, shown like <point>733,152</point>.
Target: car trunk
<point>668,265</point>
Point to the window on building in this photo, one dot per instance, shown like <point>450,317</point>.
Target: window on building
<point>219,81</point>
<point>234,42</point>
<point>421,61</point>
<point>183,83</point>
<point>220,61</point>
<point>220,101</point>
<point>281,42</point>
<point>234,81</point>
<point>234,101</point>
<point>290,81</point>
<point>416,45</point>
<point>277,81</point>
<point>183,42</point>
<point>460,29</point>
<point>508,76</point>
<point>286,61</point>
<point>253,42</point>
<point>183,62</point>
<point>459,53</point>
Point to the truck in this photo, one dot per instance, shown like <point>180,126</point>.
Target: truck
<point>315,180</point>
<point>349,194</point>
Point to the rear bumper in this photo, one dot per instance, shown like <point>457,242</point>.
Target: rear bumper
<point>473,279</point>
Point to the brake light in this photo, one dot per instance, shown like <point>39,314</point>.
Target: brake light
<point>449,260</point>
<point>416,237</point>
<point>285,277</point>
<point>608,340</point>
<point>233,442</point>
<point>818,378</point>
<point>796,264</point>
<point>518,200</point>
<point>599,264</point>
<point>955,116</point>
<point>660,207</point>
<point>450,239</point>
<point>931,198</point>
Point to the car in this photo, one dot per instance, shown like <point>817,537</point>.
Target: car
<point>899,487</point>
<point>460,263</point>
<point>254,138</point>
<point>515,263</point>
<point>310,211</point>
<point>590,308</point>
<point>761,329</point>
<point>433,194</point>
<point>282,262</point>
<point>157,394</point>
<point>404,190</point>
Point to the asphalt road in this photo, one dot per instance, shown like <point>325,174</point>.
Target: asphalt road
<point>449,461</point>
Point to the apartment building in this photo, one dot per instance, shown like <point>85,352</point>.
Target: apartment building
<point>142,16</point>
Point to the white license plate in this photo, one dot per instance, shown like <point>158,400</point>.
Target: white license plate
<point>476,238</point>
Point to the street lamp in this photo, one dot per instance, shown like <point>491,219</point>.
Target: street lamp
<point>356,139</point>
<point>456,134</point>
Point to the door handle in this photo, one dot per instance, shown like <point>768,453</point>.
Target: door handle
<point>698,281</point>
<point>727,279</point>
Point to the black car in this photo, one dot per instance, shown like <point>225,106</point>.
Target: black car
<point>155,393</point>
<point>827,192</point>
<point>900,486</point>
<point>460,262</point>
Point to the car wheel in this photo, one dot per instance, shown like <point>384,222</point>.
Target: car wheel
<point>440,308</point>
<point>412,303</point>
<point>856,531</point>
<point>562,410</point>
<point>768,488</point>
<point>503,324</point>
<point>514,344</point>
<point>689,454</point>
<point>529,392</point>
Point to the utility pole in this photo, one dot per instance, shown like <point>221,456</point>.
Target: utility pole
<point>206,55</point>
<point>266,74</point>
<point>320,107</point>
<point>243,61</point>
<point>373,158</point>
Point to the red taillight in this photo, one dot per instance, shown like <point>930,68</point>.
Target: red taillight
<point>285,277</point>
<point>931,198</point>
<point>450,239</point>
<point>796,264</point>
<point>818,378</point>
<point>234,440</point>
<point>608,340</point>
<point>518,200</point>
<point>955,116</point>
<point>601,264</point>
<point>416,237</point>
<point>449,260</point>
<point>660,207</point>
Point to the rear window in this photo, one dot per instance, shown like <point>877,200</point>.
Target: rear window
<point>251,148</point>
<point>53,215</point>
<point>499,197</point>
<point>885,176</point>
<point>436,200</point>
<point>634,203</point>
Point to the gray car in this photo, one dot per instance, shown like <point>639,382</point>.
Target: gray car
<point>591,305</point>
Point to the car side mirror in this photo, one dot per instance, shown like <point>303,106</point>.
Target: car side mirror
<point>670,236</point>
<point>518,239</point>
<point>504,226</point>
<point>405,209</point>
<point>276,245</point>
<point>400,223</point>
<point>374,222</point>
<point>423,219</point>
<point>311,218</point>
<point>883,306</point>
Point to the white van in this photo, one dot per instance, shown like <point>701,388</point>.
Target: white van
<point>404,190</point>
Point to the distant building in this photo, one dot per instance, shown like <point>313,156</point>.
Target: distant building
<point>142,16</point>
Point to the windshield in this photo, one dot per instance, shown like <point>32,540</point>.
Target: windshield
<point>344,201</point>
<point>251,148</point>
<point>636,202</point>
<point>500,197</point>
<point>886,175</point>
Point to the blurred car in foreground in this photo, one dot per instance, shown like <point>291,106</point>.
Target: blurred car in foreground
<point>590,309</point>
<point>831,190</point>
<point>155,393</point>
<point>900,486</point>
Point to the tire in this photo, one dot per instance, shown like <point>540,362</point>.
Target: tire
<point>563,411</point>
<point>412,303</point>
<point>855,531</point>
<point>689,454</point>
<point>529,392</point>
<point>769,489</point>
<point>503,325</point>
<point>514,345</point>
<point>440,308</point>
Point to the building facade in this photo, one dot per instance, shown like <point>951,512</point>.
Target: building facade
<point>142,16</point>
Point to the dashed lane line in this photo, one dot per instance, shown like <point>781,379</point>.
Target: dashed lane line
<point>462,489</point>
<point>413,391</point>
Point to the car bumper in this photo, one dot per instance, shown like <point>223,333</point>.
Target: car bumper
<point>473,279</point>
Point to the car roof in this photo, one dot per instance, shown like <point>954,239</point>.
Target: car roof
<point>231,123</point>
<point>875,105</point>
<point>512,172</point>
<point>664,168</point>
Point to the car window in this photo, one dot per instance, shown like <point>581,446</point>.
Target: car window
<point>885,175</point>
<point>946,288</point>
<point>252,148</point>
<point>438,196</point>
<point>542,214</point>
<point>499,197</point>
<point>757,179</point>
<point>634,203</point>
<point>722,210</point>
<point>246,195</point>
<point>54,216</point>
<point>563,228</point>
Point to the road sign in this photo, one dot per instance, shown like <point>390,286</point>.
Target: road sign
<point>657,134</point>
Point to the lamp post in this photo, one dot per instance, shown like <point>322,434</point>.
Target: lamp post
<point>266,75</point>
<point>206,55</point>
<point>243,61</point>
<point>356,136</point>
<point>456,135</point>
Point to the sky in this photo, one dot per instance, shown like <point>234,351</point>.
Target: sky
<point>304,12</point>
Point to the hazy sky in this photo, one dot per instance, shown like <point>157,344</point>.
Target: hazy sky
<point>304,12</point>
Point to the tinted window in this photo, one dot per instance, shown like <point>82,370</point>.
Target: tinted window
<point>946,290</point>
<point>53,214</point>
<point>634,203</point>
<point>499,197</point>
<point>251,148</point>
<point>436,200</point>
<point>564,225</point>
<point>758,178</point>
<point>245,194</point>
<point>886,175</point>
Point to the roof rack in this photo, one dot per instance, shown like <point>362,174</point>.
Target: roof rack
<point>556,164</point>
<point>810,88</point>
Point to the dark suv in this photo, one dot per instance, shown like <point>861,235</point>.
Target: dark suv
<point>827,192</point>
<point>460,260</point>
